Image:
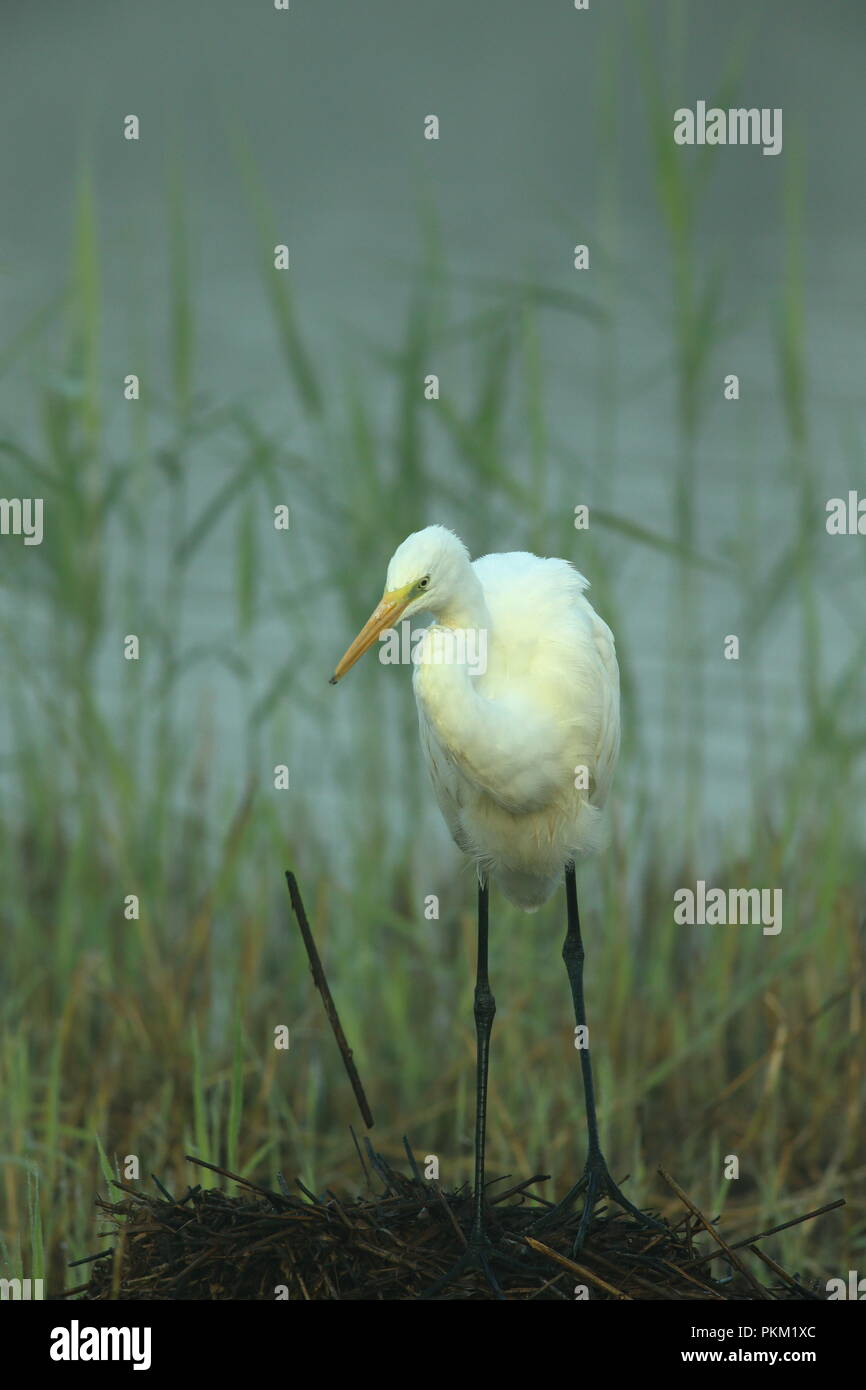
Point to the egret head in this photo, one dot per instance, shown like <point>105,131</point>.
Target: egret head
<point>425,575</point>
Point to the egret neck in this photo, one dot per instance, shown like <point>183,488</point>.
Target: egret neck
<point>453,650</point>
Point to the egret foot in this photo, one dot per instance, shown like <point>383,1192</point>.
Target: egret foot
<point>597,1183</point>
<point>480,1254</point>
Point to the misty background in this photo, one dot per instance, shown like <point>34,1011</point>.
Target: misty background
<point>558,387</point>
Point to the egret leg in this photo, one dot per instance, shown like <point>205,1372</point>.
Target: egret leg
<point>480,1252</point>
<point>596,1180</point>
<point>485,1011</point>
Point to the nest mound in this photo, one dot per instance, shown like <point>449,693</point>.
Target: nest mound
<point>266,1245</point>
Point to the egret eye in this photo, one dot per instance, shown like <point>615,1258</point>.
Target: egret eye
<point>422,583</point>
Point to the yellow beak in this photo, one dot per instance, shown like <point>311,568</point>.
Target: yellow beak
<point>384,615</point>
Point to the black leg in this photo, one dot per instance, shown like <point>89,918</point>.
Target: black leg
<point>485,1010</point>
<point>480,1252</point>
<point>572,954</point>
<point>596,1180</point>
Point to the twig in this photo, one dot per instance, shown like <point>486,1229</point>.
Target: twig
<point>307,1193</point>
<point>773,1230</point>
<point>88,1259</point>
<point>451,1217</point>
<point>381,1167</point>
<point>273,1197</point>
<point>711,1230</point>
<point>579,1270</point>
<point>521,1187</point>
<point>360,1155</point>
<point>416,1171</point>
<point>322,986</point>
<point>786,1279</point>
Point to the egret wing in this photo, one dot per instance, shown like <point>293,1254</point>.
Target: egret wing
<point>445,780</point>
<point>607,751</point>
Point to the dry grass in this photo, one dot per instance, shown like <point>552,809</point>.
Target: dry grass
<point>262,1245</point>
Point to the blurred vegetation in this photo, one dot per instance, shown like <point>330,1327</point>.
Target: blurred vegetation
<point>154,1037</point>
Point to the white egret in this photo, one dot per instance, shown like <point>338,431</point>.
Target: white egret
<point>517,688</point>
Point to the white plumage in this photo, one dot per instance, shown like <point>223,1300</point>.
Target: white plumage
<point>521,754</point>
<point>521,749</point>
